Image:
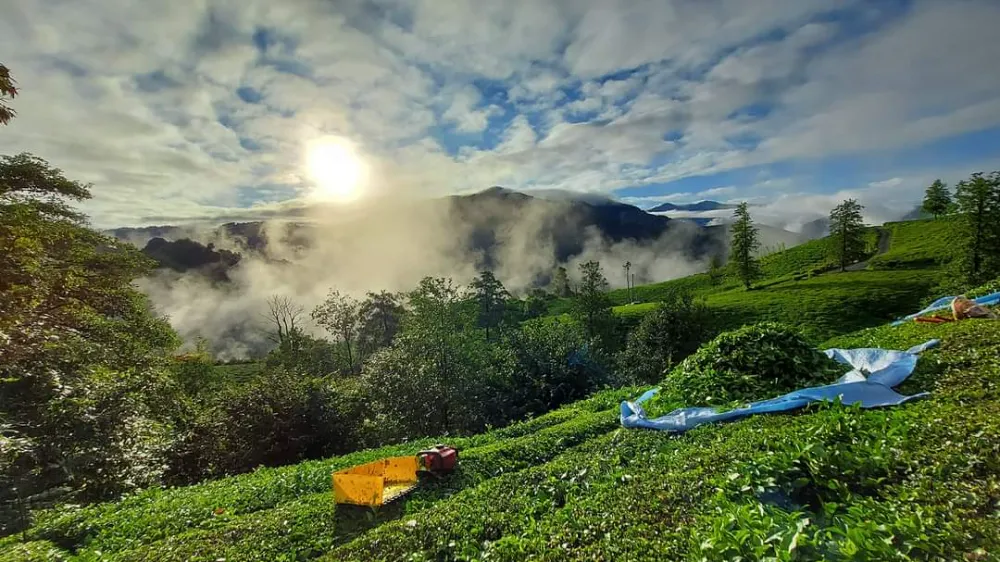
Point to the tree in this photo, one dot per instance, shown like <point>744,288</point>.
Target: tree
<point>592,306</point>
<point>979,203</point>
<point>743,247</point>
<point>847,233</point>
<point>439,375</point>
<point>8,91</point>
<point>560,283</point>
<point>937,200</point>
<point>535,304</point>
<point>285,317</point>
<point>380,316</point>
<point>664,337</point>
<point>85,395</point>
<point>715,271</point>
<point>491,300</point>
<point>338,314</point>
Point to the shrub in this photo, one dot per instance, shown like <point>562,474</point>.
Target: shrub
<point>755,362</point>
<point>554,365</point>
<point>275,419</point>
<point>665,336</point>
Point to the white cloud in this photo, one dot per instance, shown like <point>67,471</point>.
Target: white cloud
<point>142,100</point>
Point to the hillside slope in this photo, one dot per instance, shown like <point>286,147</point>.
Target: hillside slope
<point>917,481</point>
<point>921,480</point>
<point>801,286</point>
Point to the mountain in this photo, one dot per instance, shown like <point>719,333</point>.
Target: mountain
<point>485,227</point>
<point>185,255</point>
<point>699,206</point>
<point>816,228</point>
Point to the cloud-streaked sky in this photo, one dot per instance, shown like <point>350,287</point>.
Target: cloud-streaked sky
<point>191,109</point>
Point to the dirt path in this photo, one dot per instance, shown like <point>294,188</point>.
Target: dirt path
<point>883,247</point>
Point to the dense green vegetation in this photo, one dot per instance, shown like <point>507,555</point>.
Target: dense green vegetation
<point>752,363</point>
<point>920,243</point>
<point>922,482</point>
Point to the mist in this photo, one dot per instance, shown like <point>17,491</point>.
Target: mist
<point>391,247</point>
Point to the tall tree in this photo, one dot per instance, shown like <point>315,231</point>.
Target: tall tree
<point>937,199</point>
<point>560,283</point>
<point>284,318</point>
<point>715,272</point>
<point>847,233</point>
<point>979,203</point>
<point>338,314</point>
<point>7,92</point>
<point>743,247</point>
<point>591,304</point>
<point>491,301</point>
<point>83,386</point>
<point>380,316</point>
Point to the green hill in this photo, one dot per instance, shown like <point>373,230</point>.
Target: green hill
<point>801,287</point>
<point>919,481</point>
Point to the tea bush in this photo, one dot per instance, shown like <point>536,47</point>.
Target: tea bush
<point>916,482</point>
<point>159,513</point>
<point>311,523</point>
<point>753,363</point>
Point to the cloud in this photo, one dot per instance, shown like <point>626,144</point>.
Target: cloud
<point>193,107</point>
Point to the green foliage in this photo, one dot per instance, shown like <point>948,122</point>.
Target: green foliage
<point>440,375</point>
<point>847,244</point>
<point>743,247</point>
<point>380,316</point>
<point>85,400</point>
<point>8,91</point>
<point>919,481</point>
<point>592,307</point>
<point>937,199</point>
<point>810,257</point>
<point>491,298</point>
<point>753,363</point>
<point>978,201</point>
<point>338,314</point>
<point>560,283</point>
<point>34,551</point>
<point>553,366</point>
<point>275,419</point>
<point>920,243</point>
<point>716,273</point>
<point>666,335</point>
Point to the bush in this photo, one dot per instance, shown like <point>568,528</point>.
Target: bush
<point>275,419</point>
<point>753,363</point>
<point>664,337</point>
<point>554,366</point>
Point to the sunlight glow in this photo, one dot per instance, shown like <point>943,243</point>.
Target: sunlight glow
<point>335,167</point>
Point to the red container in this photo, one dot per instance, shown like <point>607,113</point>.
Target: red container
<point>440,459</point>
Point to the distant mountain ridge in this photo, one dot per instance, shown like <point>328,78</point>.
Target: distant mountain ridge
<point>484,226</point>
<point>699,206</point>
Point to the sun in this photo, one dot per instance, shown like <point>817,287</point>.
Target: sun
<point>336,169</point>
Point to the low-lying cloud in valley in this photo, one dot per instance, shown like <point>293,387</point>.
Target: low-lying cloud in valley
<point>392,247</point>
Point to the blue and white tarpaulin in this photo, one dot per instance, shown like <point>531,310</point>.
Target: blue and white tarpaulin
<point>886,369</point>
<point>945,302</point>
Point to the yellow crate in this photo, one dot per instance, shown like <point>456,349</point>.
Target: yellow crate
<point>375,483</point>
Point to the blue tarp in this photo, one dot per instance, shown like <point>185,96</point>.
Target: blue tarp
<point>886,369</point>
<point>945,302</point>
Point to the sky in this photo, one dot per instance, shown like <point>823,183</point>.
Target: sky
<point>193,110</point>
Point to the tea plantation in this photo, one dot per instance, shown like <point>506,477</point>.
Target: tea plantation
<point>915,482</point>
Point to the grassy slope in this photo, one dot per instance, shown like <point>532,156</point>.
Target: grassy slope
<point>571,485</point>
<point>919,243</point>
<point>920,480</point>
<point>801,288</point>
